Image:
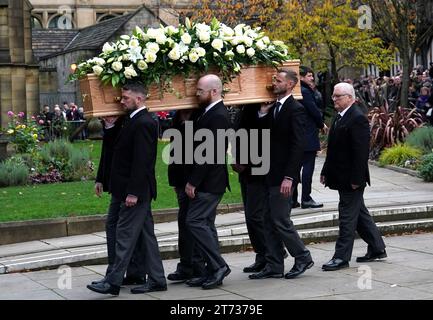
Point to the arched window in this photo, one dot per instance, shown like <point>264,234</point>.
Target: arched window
<point>60,22</point>
<point>36,23</point>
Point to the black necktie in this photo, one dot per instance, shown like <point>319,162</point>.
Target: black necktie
<point>277,109</point>
<point>337,120</point>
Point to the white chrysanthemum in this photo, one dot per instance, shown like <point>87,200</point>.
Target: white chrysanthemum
<point>240,49</point>
<point>130,72</point>
<point>117,66</point>
<point>97,70</point>
<point>200,51</point>
<point>142,65</point>
<point>217,44</point>
<point>150,57</point>
<point>152,47</point>
<point>193,57</point>
<point>186,38</point>
<point>251,52</point>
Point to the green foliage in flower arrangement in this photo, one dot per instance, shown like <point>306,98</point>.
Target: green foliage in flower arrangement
<point>421,138</point>
<point>400,155</point>
<point>426,168</point>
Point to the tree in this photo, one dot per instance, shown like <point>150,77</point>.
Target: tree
<point>327,35</point>
<point>407,24</point>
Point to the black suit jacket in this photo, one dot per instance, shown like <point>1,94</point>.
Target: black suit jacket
<point>348,149</point>
<point>313,120</point>
<point>287,141</point>
<point>134,157</point>
<point>212,178</point>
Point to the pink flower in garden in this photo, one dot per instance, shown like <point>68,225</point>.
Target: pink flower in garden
<point>41,121</point>
<point>21,114</point>
<point>33,118</point>
<point>11,113</point>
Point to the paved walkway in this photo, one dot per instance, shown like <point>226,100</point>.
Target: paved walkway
<point>407,273</point>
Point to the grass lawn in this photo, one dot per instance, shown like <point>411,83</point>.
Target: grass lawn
<point>77,198</point>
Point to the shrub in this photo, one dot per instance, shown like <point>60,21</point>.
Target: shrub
<point>388,128</point>
<point>421,138</point>
<point>400,155</point>
<point>13,173</point>
<point>79,165</point>
<point>426,168</point>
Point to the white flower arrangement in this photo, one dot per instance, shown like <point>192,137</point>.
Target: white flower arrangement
<point>154,56</point>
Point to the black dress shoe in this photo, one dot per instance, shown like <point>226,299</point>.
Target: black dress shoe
<point>264,274</point>
<point>98,281</point>
<point>127,281</point>
<point>311,204</point>
<point>372,256</point>
<point>255,267</point>
<point>149,287</point>
<point>298,269</point>
<point>217,278</point>
<point>178,276</point>
<point>335,264</point>
<point>105,288</point>
<point>196,282</point>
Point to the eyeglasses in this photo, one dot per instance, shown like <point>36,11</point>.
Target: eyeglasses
<point>338,96</point>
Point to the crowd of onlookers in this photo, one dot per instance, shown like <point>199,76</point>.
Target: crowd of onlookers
<point>57,120</point>
<point>378,91</point>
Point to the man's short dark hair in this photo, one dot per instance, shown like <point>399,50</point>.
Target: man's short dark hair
<point>136,87</point>
<point>304,70</point>
<point>290,74</point>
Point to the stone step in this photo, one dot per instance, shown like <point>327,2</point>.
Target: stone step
<point>97,254</point>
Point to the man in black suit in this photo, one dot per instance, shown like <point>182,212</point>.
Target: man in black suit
<point>134,275</point>
<point>191,264</point>
<point>313,122</point>
<point>346,170</point>
<point>207,182</point>
<point>286,120</point>
<point>132,182</point>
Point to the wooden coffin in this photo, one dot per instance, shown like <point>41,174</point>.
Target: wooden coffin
<point>253,85</point>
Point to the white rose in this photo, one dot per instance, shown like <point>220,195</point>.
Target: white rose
<point>107,48</point>
<point>134,43</point>
<point>142,65</point>
<point>186,38</point>
<point>150,57</point>
<point>251,52</point>
<point>204,36</point>
<point>193,57</point>
<point>152,47</point>
<point>240,49</point>
<point>200,51</point>
<point>260,45</point>
<point>227,31</point>
<point>161,38</point>
<point>152,33</point>
<point>248,41</point>
<point>97,70</point>
<point>217,44</point>
<point>174,54</point>
<point>130,72</point>
<point>99,61</point>
<point>117,66</point>
<point>229,54</point>
<point>236,40</point>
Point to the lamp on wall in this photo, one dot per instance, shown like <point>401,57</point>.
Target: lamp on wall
<point>73,67</point>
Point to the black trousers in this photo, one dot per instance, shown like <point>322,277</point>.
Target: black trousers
<point>279,229</point>
<point>135,228</point>
<point>354,216</point>
<point>200,221</point>
<point>191,260</point>
<point>308,162</point>
<point>253,196</point>
<point>136,265</point>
